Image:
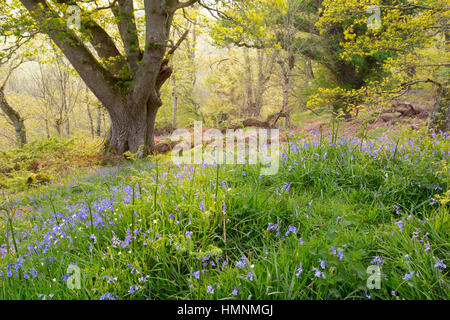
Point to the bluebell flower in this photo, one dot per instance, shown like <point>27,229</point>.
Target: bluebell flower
<point>133,288</point>
<point>322,263</point>
<point>318,273</point>
<point>291,229</point>
<point>400,225</point>
<point>440,264</point>
<point>377,260</point>
<point>210,289</point>
<point>299,270</point>
<point>408,276</point>
<point>108,296</point>
<point>93,238</point>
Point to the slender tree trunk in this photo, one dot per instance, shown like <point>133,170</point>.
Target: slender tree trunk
<point>104,124</point>
<point>260,86</point>
<point>15,118</point>
<point>58,125</point>
<point>47,128</point>
<point>99,122</point>
<point>287,69</point>
<point>309,72</point>
<point>249,104</point>
<point>91,121</point>
<point>174,101</point>
<point>285,108</point>
<point>68,128</point>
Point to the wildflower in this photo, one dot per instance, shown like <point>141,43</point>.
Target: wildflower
<point>286,186</point>
<point>377,260</point>
<point>318,273</point>
<point>393,293</point>
<point>110,279</point>
<point>171,216</point>
<point>210,289</point>
<point>34,273</point>
<point>408,276</point>
<point>134,288</point>
<point>196,274</point>
<point>188,234</point>
<point>301,241</point>
<point>273,227</point>
<point>108,296</point>
<point>234,292</point>
<point>291,229</point>
<point>440,264</point>
<point>93,238</point>
<point>322,264</point>
<point>202,206</point>
<point>240,264</point>
<point>340,255</point>
<point>400,225</point>
<point>427,246</point>
<point>249,276</point>
<point>299,270</point>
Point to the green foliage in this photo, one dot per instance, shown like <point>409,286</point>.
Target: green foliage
<point>43,161</point>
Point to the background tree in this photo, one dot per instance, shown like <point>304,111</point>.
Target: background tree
<point>12,115</point>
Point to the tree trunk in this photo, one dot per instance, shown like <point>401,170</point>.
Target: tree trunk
<point>249,104</point>
<point>132,128</point>
<point>99,122</point>
<point>15,118</point>
<point>47,128</point>
<point>68,128</point>
<point>91,121</point>
<point>440,116</point>
<point>174,101</point>
<point>287,67</point>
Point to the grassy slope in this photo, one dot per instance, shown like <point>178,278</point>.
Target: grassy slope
<point>253,237</point>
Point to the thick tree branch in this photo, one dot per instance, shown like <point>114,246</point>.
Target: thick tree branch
<point>99,38</point>
<point>124,12</point>
<point>98,79</point>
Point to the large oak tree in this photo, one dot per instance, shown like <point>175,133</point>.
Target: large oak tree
<point>121,52</point>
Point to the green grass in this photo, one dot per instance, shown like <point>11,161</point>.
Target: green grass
<point>344,195</point>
